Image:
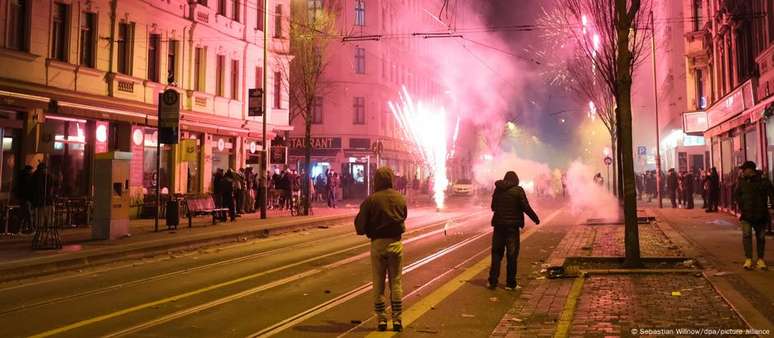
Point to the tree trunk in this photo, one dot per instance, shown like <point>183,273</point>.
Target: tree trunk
<point>623,91</point>
<point>307,157</point>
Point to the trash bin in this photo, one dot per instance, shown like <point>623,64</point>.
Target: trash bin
<point>173,213</point>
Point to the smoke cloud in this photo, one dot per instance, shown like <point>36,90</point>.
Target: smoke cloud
<point>585,195</point>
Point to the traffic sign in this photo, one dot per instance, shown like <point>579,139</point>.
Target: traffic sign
<point>608,160</point>
<point>169,109</point>
<point>642,150</point>
<point>255,102</point>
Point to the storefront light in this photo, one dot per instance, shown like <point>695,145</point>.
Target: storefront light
<point>137,137</point>
<point>101,133</point>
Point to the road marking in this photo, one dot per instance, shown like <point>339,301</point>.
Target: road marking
<point>300,317</point>
<point>565,319</point>
<point>436,297</point>
<point>227,283</point>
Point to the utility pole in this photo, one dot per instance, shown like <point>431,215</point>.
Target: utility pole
<point>655,100</point>
<point>265,147</point>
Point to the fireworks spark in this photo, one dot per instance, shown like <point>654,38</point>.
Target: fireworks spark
<point>425,124</point>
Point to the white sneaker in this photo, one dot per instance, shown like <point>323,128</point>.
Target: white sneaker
<point>761,265</point>
<point>747,264</point>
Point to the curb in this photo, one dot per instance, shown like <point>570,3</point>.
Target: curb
<point>139,251</point>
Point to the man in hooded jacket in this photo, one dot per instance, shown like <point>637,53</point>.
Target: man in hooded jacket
<point>509,204</point>
<point>381,218</point>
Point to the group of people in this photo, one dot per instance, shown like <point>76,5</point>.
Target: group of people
<point>681,187</point>
<point>326,186</point>
<point>236,190</point>
<point>34,190</point>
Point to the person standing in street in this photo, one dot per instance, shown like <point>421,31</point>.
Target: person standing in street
<point>381,219</point>
<point>509,204</point>
<point>752,193</point>
<point>227,188</point>
<point>688,185</point>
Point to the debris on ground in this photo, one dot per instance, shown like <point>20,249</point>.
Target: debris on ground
<point>356,321</point>
<point>427,331</point>
<point>467,315</point>
<point>676,293</point>
<point>721,273</point>
<point>492,299</point>
<point>327,291</point>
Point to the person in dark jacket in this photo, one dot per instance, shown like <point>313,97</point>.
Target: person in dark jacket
<point>509,204</point>
<point>24,194</point>
<point>381,218</point>
<point>672,186</point>
<point>227,188</point>
<point>752,193</point>
<point>713,187</point>
<point>688,185</point>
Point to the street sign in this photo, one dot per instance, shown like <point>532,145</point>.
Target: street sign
<point>642,151</point>
<point>377,147</point>
<point>608,160</point>
<point>169,116</point>
<point>279,155</point>
<point>255,102</point>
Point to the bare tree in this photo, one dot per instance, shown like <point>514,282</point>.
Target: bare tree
<point>613,33</point>
<point>311,31</point>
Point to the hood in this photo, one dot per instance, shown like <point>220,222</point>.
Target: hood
<point>503,185</point>
<point>383,179</point>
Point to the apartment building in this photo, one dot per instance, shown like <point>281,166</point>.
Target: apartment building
<point>729,59</point>
<point>351,114</point>
<point>79,78</point>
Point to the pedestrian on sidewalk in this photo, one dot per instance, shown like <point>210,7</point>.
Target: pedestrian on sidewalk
<point>672,186</point>
<point>752,193</point>
<point>714,190</point>
<point>509,204</point>
<point>381,218</point>
<point>227,189</point>
<point>24,195</point>
<point>688,185</point>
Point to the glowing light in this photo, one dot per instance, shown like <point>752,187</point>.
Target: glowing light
<point>101,133</point>
<point>138,137</point>
<point>592,111</point>
<point>584,20</point>
<point>596,41</point>
<point>425,124</point>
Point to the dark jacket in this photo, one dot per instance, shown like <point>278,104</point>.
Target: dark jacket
<point>509,203</point>
<point>752,197</point>
<point>382,215</point>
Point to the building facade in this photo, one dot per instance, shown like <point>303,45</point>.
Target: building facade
<point>82,77</point>
<point>351,114</point>
<point>729,50</point>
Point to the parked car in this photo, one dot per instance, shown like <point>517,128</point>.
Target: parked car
<point>463,187</point>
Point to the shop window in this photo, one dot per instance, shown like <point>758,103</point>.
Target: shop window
<point>17,34</point>
<point>770,145</point>
<point>222,153</point>
<point>751,145</point>
<point>67,162</point>
<point>9,159</point>
<point>149,164</point>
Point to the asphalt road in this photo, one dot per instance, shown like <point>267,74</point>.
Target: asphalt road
<point>306,284</point>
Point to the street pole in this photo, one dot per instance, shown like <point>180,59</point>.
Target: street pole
<point>608,178</point>
<point>655,100</point>
<point>264,146</point>
<point>158,175</point>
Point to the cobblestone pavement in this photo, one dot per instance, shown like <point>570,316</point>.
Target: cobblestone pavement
<point>613,305</point>
<point>620,304</point>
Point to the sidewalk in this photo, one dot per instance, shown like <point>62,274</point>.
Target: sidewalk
<point>18,260</point>
<point>617,302</point>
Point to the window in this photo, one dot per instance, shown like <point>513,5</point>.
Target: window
<point>278,21</point>
<point>700,98</point>
<point>18,25</point>
<point>235,79</point>
<point>277,90</point>
<point>220,69</point>
<point>59,32</point>
<point>360,60</point>
<point>359,12</point>
<point>235,10</point>
<point>260,14</point>
<point>359,109</point>
<point>125,47</point>
<point>222,7</point>
<point>317,110</point>
<point>697,15</point>
<point>200,63</point>
<point>258,77</point>
<point>770,14</point>
<point>88,39</point>
<point>154,44</point>
<point>315,9</point>
<point>172,61</point>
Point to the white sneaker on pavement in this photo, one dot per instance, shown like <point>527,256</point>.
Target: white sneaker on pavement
<point>747,264</point>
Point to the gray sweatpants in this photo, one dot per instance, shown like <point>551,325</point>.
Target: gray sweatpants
<point>387,261</point>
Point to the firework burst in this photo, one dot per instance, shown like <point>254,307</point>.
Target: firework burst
<point>425,125</point>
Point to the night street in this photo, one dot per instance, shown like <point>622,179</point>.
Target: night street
<point>380,168</point>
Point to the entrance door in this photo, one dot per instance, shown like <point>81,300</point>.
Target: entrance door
<point>697,162</point>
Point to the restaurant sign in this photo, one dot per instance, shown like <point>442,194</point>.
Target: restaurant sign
<point>317,142</point>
